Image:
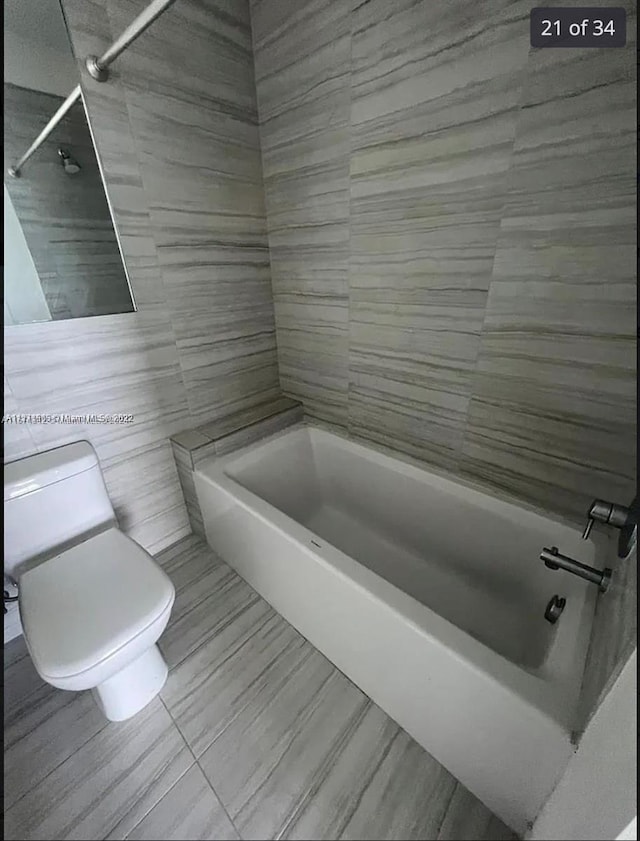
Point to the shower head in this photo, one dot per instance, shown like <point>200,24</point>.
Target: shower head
<point>71,166</point>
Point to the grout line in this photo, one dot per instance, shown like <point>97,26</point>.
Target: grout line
<point>197,763</point>
<point>161,798</point>
<point>219,799</point>
<point>286,651</point>
<point>323,772</point>
<point>450,801</point>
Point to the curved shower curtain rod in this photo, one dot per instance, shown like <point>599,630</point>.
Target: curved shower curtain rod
<point>98,69</point>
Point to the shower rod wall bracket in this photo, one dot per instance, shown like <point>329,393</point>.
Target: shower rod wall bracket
<point>98,69</point>
<point>97,66</point>
<point>100,74</point>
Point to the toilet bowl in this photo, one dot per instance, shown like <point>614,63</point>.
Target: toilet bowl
<point>92,609</point>
<point>91,617</point>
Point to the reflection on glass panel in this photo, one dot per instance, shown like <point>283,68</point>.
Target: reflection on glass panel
<point>62,258</point>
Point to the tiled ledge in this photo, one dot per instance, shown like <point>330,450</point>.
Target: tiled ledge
<point>223,436</point>
<point>234,431</point>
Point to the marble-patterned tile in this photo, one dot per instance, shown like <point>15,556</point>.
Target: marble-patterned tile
<point>143,486</point>
<point>230,375</point>
<point>433,124</point>
<point>202,453</point>
<point>161,529</point>
<point>313,352</point>
<point>196,611</point>
<point>614,633</point>
<point>187,440</point>
<point>227,433</point>
<point>247,662</point>
<point>122,364</point>
<point>186,561</point>
<point>191,99</point>
<point>302,54</point>
<point>190,810</point>
<point>48,727</point>
<point>43,726</point>
<point>271,751</point>
<point>187,483</point>
<point>336,804</point>
<point>114,365</point>
<point>225,645</point>
<point>290,746</point>
<point>205,612</point>
<point>364,778</point>
<point>106,786</point>
<point>262,429</point>
<point>222,313</point>
<point>23,686</point>
<point>16,437</point>
<point>392,806</point>
<point>553,414</point>
<point>13,652</point>
<point>394,402</point>
<point>182,455</point>
<point>228,424</point>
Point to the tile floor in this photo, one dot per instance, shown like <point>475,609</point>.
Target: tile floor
<point>255,735</point>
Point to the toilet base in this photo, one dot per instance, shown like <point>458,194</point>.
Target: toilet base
<point>131,689</point>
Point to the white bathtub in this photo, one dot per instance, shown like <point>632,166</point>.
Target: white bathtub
<point>426,592</point>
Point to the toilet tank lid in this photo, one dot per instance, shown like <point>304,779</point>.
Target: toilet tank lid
<point>41,469</point>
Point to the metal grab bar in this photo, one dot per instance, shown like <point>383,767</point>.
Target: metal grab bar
<point>71,100</point>
<point>98,67</point>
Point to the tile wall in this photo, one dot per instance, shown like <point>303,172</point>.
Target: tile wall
<point>302,58</point>
<point>453,254</point>
<point>177,135</point>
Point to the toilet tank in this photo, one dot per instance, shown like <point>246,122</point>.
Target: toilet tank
<point>50,498</point>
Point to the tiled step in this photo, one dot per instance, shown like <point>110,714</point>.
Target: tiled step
<point>224,435</point>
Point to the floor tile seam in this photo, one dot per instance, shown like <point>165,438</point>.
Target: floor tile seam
<point>325,767</point>
<point>189,767</point>
<point>196,763</point>
<point>300,721</point>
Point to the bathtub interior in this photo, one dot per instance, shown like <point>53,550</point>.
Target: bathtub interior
<point>465,555</point>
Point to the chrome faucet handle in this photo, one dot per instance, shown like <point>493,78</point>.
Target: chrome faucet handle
<point>587,528</point>
<point>605,512</point>
<point>621,517</point>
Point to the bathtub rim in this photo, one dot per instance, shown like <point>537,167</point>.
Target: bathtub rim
<point>598,535</point>
<point>553,695</point>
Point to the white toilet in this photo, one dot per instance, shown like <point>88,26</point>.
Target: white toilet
<point>92,602</point>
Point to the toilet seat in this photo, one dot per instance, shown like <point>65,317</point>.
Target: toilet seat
<point>93,608</point>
